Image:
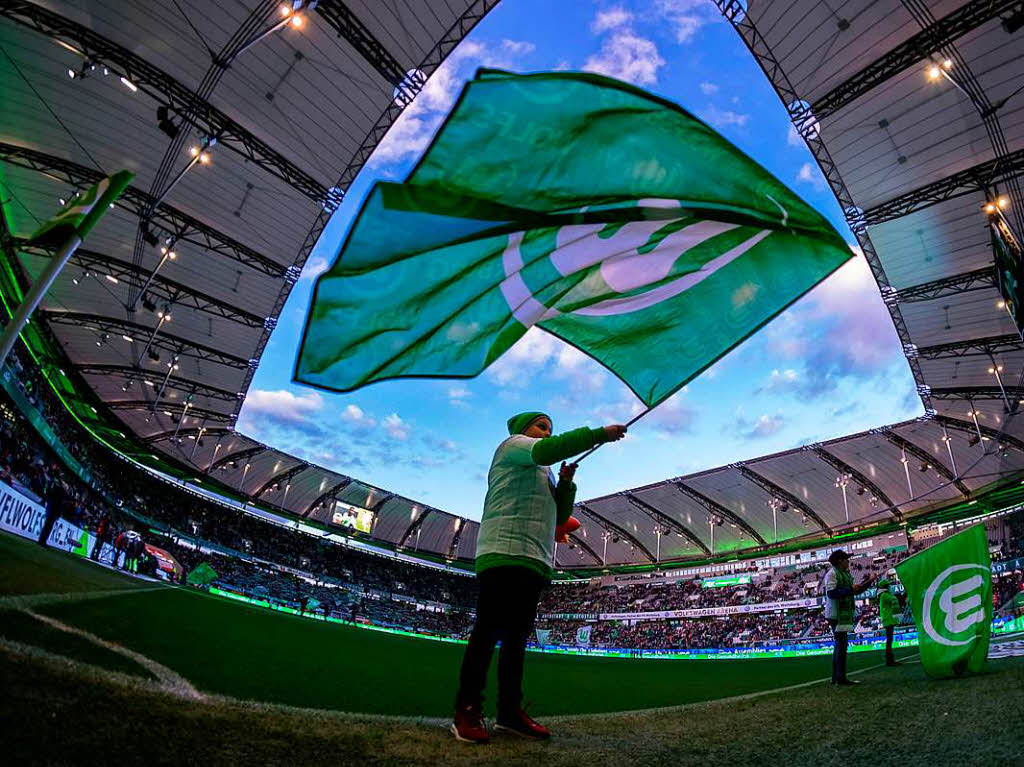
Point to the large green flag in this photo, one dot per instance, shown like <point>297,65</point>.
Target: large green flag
<point>949,586</point>
<point>607,216</point>
<point>81,213</point>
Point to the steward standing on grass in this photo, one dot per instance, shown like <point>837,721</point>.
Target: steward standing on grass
<point>514,552</point>
<point>889,611</point>
<point>839,594</point>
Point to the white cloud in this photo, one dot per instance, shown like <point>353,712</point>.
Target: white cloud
<point>793,137</point>
<point>686,17</point>
<point>765,426</point>
<point>811,174</point>
<point>672,416</point>
<point>418,122</point>
<point>708,89</point>
<point>528,355</point>
<point>721,118</point>
<point>282,405</point>
<point>627,56</point>
<point>457,396</point>
<point>518,47</point>
<point>395,427</point>
<point>354,415</point>
<point>611,18</point>
<point>314,267</point>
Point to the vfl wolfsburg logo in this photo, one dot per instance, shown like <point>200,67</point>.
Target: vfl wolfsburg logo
<point>615,268</point>
<point>953,605</point>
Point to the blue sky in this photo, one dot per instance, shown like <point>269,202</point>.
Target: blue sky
<point>829,366</point>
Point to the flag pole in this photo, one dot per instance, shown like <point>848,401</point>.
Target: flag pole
<point>628,423</point>
<point>35,295</point>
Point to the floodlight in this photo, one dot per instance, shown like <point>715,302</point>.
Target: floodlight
<point>165,124</point>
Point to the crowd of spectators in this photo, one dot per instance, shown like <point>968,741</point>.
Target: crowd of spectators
<point>288,567</point>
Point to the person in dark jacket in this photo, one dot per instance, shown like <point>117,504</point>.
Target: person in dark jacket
<point>839,594</point>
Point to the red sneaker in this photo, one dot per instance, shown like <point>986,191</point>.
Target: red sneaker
<point>469,725</point>
<point>519,723</point>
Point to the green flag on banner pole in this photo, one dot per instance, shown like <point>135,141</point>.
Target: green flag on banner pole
<point>81,213</point>
<point>64,233</point>
<point>604,215</point>
<point>949,587</point>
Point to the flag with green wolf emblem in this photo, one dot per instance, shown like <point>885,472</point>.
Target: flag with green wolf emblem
<point>594,210</point>
<point>949,587</point>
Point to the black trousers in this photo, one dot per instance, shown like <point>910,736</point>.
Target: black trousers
<point>48,524</point>
<point>505,610</point>
<point>838,652</point>
<point>889,657</point>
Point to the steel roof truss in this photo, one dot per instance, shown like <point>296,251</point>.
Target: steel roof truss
<point>1001,438</point>
<point>946,286</point>
<point>661,517</point>
<point>174,382</point>
<point>167,92</point>
<point>168,291</point>
<point>620,531</point>
<point>925,457</point>
<point>182,226</point>
<point>242,455</point>
<point>332,493</point>
<point>716,508</point>
<point>780,492</point>
<point>284,476</point>
<point>578,541</point>
<point>843,467</point>
<point>169,343</point>
<point>978,178</point>
<point>175,409</point>
<point>197,433</point>
<point>973,346</point>
<point>915,49</point>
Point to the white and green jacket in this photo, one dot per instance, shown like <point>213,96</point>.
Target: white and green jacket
<point>523,505</point>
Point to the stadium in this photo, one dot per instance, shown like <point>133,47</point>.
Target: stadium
<point>175,591</point>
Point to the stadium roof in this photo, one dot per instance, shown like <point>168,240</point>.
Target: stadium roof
<point>245,123</point>
<point>912,113</point>
<point>912,159</point>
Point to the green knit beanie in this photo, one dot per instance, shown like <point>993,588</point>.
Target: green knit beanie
<point>517,424</point>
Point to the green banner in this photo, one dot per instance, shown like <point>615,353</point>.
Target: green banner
<point>733,580</point>
<point>594,210</point>
<point>949,586</point>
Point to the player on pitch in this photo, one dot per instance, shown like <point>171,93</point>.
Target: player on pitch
<point>514,552</point>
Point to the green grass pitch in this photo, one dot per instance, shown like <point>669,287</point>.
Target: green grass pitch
<point>271,684</point>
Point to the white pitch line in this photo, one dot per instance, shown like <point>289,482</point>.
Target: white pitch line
<point>27,601</point>
<point>170,680</point>
<point>705,703</point>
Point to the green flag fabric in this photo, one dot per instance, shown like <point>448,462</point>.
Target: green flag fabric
<point>81,213</point>
<point>602,214</point>
<point>202,575</point>
<point>949,587</point>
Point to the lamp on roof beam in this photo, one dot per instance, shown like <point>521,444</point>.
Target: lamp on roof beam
<point>841,482</point>
<point>292,14</point>
<point>1014,22</point>
<point>906,471</point>
<point>165,123</point>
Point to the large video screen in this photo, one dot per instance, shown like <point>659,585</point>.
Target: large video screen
<point>352,517</point>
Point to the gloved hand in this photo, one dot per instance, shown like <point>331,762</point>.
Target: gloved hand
<point>562,531</point>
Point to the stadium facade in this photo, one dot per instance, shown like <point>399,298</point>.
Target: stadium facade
<point>909,111</point>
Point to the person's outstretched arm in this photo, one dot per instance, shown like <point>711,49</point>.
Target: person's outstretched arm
<point>559,447</point>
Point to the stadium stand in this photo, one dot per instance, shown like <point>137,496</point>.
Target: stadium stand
<point>282,566</point>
